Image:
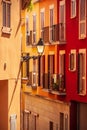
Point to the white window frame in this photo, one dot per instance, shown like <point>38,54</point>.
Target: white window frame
<point>73,52</point>
<point>5,28</point>
<point>82,35</point>
<point>73,8</point>
<point>82,91</point>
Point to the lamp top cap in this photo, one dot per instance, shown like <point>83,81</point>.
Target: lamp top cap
<point>40,42</point>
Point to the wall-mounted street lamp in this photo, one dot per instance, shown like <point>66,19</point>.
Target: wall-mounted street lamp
<point>40,50</point>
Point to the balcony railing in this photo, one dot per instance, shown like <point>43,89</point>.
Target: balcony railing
<point>55,83</point>
<point>55,33</point>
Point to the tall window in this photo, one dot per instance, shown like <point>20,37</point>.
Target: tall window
<point>62,20</point>
<point>62,62</point>
<point>42,23</point>
<point>73,8</point>
<point>6,15</point>
<point>25,67</point>
<point>27,30</point>
<point>82,19</point>
<point>34,29</point>
<point>41,70</point>
<point>35,73</point>
<point>62,70</point>
<point>82,72</point>
<point>51,22</point>
<point>50,125</point>
<point>51,66</point>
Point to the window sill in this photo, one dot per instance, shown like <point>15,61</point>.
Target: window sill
<point>61,93</point>
<point>82,94</point>
<point>6,30</point>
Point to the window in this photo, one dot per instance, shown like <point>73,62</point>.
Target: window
<point>50,125</point>
<point>51,66</point>
<point>13,122</point>
<point>62,62</point>
<point>64,121</point>
<point>25,67</point>
<point>42,23</point>
<point>51,22</point>
<point>73,8</point>
<point>61,121</point>
<point>34,29</point>
<point>72,60</point>
<point>35,73</point>
<point>82,19</point>
<point>62,20</point>
<point>6,16</point>
<point>41,70</point>
<point>62,71</point>
<point>82,72</point>
<point>27,30</point>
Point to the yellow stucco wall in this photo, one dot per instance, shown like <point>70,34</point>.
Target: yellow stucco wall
<point>49,49</point>
<point>10,55</point>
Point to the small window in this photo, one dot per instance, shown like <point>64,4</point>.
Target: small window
<point>6,16</point>
<point>82,72</point>
<point>73,8</point>
<point>72,60</point>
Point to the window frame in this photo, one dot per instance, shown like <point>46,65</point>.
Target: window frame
<point>73,7</point>
<point>62,25</point>
<point>42,20</point>
<point>82,35</point>
<point>82,74</point>
<point>27,30</point>
<point>7,27</point>
<point>61,53</point>
<point>72,64</point>
<point>51,38</point>
<point>34,29</point>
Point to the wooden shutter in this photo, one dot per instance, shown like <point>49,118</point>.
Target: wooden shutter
<point>46,34</point>
<point>51,25</point>
<point>41,70</point>
<point>51,66</point>
<point>42,24</point>
<point>55,32</point>
<point>34,29</point>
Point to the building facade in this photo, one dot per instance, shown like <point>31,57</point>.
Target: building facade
<point>41,75</point>
<point>60,74</point>
<point>74,62</point>
<point>10,55</point>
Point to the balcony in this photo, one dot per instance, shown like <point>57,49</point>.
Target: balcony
<point>54,83</point>
<point>54,34</point>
